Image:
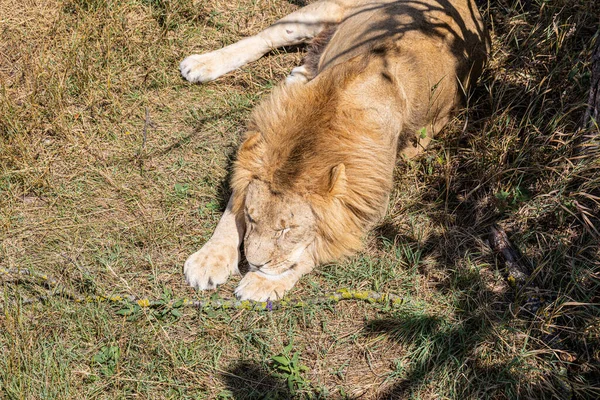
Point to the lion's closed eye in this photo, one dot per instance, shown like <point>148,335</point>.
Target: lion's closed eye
<point>250,219</point>
<point>281,232</point>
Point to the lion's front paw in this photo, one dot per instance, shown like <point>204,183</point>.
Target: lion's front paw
<point>260,287</point>
<point>211,265</point>
<point>205,67</point>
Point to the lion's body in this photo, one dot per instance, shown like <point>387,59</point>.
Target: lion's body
<point>384,82</point>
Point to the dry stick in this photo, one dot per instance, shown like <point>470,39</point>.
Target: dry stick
<point>587,144</point>
<point>147,123</point>
<point>518,274</point>
<point>593,110</point>
<point>391,300</point>
<point>518,277</point>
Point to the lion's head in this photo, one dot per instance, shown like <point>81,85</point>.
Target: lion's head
<point>280,228</point>
<point>307,188</point>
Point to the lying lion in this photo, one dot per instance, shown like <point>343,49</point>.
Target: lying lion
<point>315,170</point>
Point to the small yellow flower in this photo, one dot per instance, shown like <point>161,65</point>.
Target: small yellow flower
<point>143,303</point>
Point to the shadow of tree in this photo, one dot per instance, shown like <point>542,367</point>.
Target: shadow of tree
<point>463,208</point>
<point>440,348</point>
<point>452,347</point>
<point>248,381</point>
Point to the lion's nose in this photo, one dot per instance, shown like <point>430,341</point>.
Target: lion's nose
<point>257,266</point>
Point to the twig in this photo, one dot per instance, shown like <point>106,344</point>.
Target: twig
<point>587,142</point>
<point>528,297</point>
<point>147,123</point>
<point>517,272</point>
<point>592,111</point>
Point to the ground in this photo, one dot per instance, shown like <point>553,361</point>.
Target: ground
<point>113,170</point>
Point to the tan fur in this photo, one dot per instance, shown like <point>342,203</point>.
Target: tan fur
<point>389,79</point>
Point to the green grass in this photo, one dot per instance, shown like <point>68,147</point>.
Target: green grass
<point>86,199</point>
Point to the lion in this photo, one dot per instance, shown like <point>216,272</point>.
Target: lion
<point>314,172</point>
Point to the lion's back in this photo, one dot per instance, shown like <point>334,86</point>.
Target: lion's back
<point>446,32</point>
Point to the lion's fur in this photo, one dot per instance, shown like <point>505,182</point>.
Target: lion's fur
<point>334,140</point>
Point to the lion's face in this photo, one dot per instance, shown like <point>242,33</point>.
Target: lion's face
<point>279,228</point>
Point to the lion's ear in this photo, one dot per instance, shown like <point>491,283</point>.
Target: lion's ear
<point>250,142</point>
<point>247,165</point>
<point>337,181</point>
<point>249,154</point>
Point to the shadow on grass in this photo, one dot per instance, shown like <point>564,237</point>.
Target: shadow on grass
<point>438,348</point>
<point>248,381</point>
<point>299,3</point>
<point>554,352</point>
<point>558,358</point>
<point>447,356</point>
<point>459,356</point>
<point>468,355</point>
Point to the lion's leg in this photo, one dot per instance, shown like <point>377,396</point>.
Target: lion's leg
<point>295,28</point>
<point>258,286</point>
<point>218,258</point>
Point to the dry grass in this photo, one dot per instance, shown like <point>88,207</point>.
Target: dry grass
<point>113,170</point>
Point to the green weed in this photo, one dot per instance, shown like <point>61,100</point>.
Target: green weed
<point>106,359</point>
<point>287,366</point>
